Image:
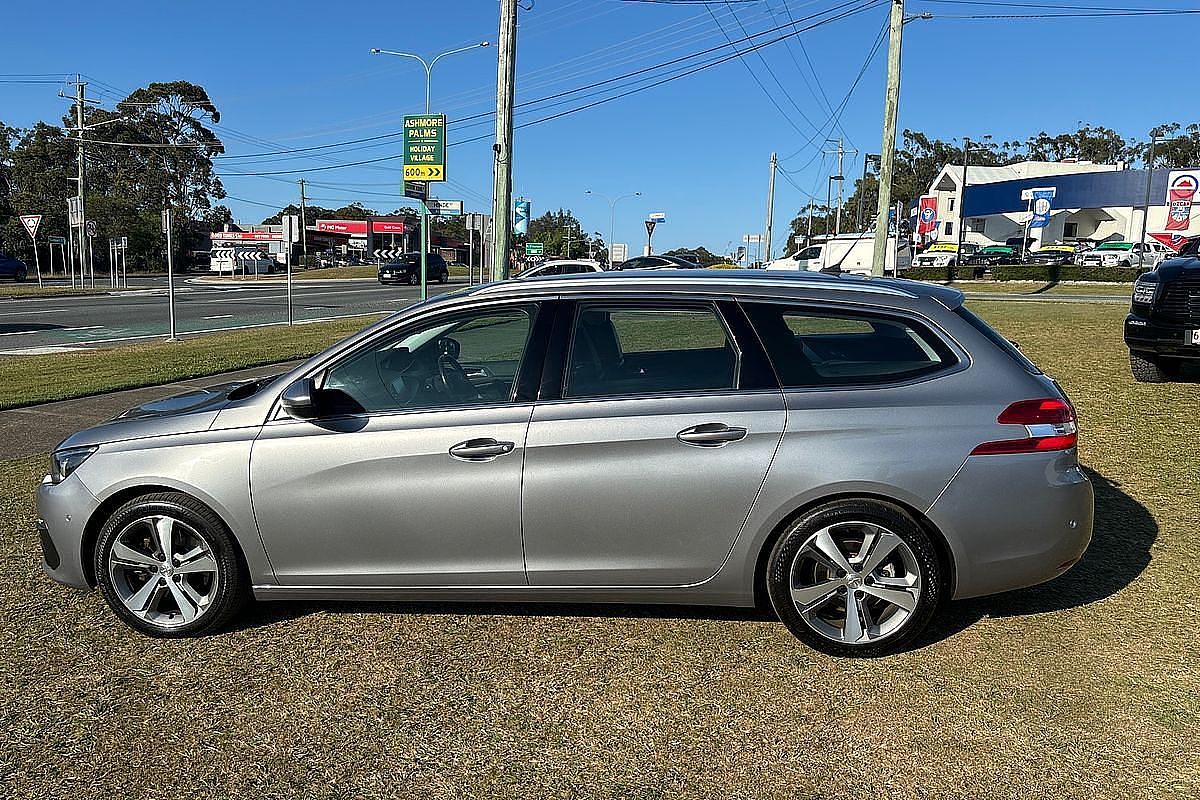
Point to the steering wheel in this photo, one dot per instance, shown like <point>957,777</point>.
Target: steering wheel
<point>452,378</point>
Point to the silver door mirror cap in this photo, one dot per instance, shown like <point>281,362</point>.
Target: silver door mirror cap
<point>299,399</point>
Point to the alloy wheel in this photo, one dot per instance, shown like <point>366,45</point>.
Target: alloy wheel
<point>163,571</point>
<point>855,582</point>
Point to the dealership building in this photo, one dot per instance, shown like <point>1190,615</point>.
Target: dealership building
<point>1091,202</point>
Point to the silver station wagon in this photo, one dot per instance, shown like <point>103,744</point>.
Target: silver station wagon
<point>853,452</point>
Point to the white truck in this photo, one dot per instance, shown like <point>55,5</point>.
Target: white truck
<point>849,252</point>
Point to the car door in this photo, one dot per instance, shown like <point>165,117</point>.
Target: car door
<point>414,476</point>
<point>643,462</point>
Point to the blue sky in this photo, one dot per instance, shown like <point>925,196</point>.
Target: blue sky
<point>298,74</point>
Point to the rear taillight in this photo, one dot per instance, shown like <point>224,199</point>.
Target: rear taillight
<point>1049,425</point>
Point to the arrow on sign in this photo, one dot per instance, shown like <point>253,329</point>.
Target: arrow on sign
<point>31,223</point>
<point>388,254</point>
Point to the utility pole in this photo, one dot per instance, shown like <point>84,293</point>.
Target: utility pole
<point>79,176</point>
<point>167,224</point>
<point>303,225</point>
<point>887,153</point>
<point>771,202</point>
<point>840,178</point>
<point>867,160</point>
<point>502,149</point>
<point>810,215</point>
<point>1146,202</point>
<point>962,196</point>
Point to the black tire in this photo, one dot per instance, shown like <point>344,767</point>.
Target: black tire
<point>783,568</point>
<point>1151,369</point>
<point>231,590</point>
<point>412,279</point>
<point>21,275</point>
<point>444,277</point>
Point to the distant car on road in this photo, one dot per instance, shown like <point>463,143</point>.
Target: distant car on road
<point>693,438</point>
<point>563,267</point>
<point>1163,326</point>
<point>658,262</point>
<point>1054,255</point>
<point>407,269</point>
<point>12,267</point>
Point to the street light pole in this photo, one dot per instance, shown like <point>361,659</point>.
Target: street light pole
<point>1146,203</point>
<point>612,216</point>
<point>428,65</point>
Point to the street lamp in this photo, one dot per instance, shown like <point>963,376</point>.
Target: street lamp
<point>428,65</point>
<point>612,215</point>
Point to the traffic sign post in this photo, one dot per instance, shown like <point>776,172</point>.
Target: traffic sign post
<point>166,226</point>
<point>31,223</point>
<point>424,160</point>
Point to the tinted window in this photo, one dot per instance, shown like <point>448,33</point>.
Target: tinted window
<point>817,348</point>
<point>467,359</point>
<point>995,338</point>
<point>649,350</point>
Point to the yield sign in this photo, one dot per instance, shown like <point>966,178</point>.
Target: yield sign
<point>31,223</point>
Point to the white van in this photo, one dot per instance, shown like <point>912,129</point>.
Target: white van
<point>850,252</point>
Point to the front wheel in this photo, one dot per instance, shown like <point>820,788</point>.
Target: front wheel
<point>1151,369</point>
<point>21,275</point>
<point>168,567</point>
<point>855,578</point>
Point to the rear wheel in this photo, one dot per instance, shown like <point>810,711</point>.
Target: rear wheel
<point>1152,369</point>
<point>168,567</point>
<point>855,578</point>
<point>21,275</point>
<point>412,279</point>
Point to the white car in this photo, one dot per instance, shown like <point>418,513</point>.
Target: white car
<point>1125,254</point>
<point>563,267</point>
<point>942,254</point>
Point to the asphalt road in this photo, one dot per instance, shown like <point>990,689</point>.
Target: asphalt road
<point>30,324</point>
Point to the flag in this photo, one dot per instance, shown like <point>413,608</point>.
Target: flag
<point>927,215</point>
<point>521,217</point>
<point>1181,189</point>
<point>1041,208</point>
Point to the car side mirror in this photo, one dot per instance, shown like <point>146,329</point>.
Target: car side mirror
<point>299,400</point>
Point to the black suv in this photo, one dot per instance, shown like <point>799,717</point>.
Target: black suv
<point>407,269</point>
<point>1163,326</point>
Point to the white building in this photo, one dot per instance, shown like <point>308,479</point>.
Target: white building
<point>1092,201</point>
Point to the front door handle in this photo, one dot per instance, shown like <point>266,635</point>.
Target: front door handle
<point>481,449</point>
<point>711,434</point>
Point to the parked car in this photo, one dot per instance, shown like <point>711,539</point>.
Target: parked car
<point>1020,245</point>
<point>407,269</point>
<point>563,267</point>
<point>1163,326</point>
<point>993,255</point>
<point>1054,255</point>
<point>657,262</point>
<point>12,267</point>
<point>710,438</point>
<point>1124,254</point>
<point>943,254</point>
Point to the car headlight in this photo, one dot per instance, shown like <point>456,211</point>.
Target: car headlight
<point>1143,292</point>
<point>64,462</point>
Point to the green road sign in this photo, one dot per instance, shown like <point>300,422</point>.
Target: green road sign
<point>534,248</point>
<point>57,239</point>
<point>425,147</point>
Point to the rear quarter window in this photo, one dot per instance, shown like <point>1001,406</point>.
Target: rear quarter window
<point>819,348</point>
<point>995,338</point>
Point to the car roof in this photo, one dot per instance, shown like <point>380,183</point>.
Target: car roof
<point>710,281</point>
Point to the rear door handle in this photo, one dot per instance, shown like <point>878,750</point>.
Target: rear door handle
<point>481,449</point>
<point>711,434</point>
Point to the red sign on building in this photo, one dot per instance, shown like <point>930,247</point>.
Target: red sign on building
<point>342,225</point>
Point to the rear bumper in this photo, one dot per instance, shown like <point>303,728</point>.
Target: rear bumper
<point>1167,339</point>
<point>1014,520</point>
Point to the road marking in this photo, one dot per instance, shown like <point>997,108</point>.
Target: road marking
<point>42,351</point>
<point>234,328</point>
<point>50,330</point>
<point>23,313</point>
<point>219,316</point>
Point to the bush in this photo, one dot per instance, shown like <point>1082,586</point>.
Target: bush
<point>938,273</point>
<point>1052,274</point>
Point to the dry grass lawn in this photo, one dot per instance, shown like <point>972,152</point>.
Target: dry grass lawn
<point>1087,687</point>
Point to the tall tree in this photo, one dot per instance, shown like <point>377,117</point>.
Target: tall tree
<point>1178,148</point>
<point>1098,144</point>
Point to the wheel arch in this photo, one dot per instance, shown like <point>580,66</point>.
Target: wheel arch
<point>95,523</point>
<point>941,544</point>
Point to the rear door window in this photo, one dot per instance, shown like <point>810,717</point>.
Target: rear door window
<point>637,350</point>
<point>813,347</point>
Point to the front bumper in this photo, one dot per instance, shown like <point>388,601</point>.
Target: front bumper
<point>1014,520</point>
<point>1161,338</point>
<point>63,512</point>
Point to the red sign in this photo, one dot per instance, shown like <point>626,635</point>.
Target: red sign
<point>1180,192</point>
<point>247,236</point>
<point>1171,240</point>
<point>384,226</point>
<point>342,225</point>
<point>927,215</point>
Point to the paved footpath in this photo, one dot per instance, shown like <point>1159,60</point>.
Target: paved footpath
<point>37,429</point>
